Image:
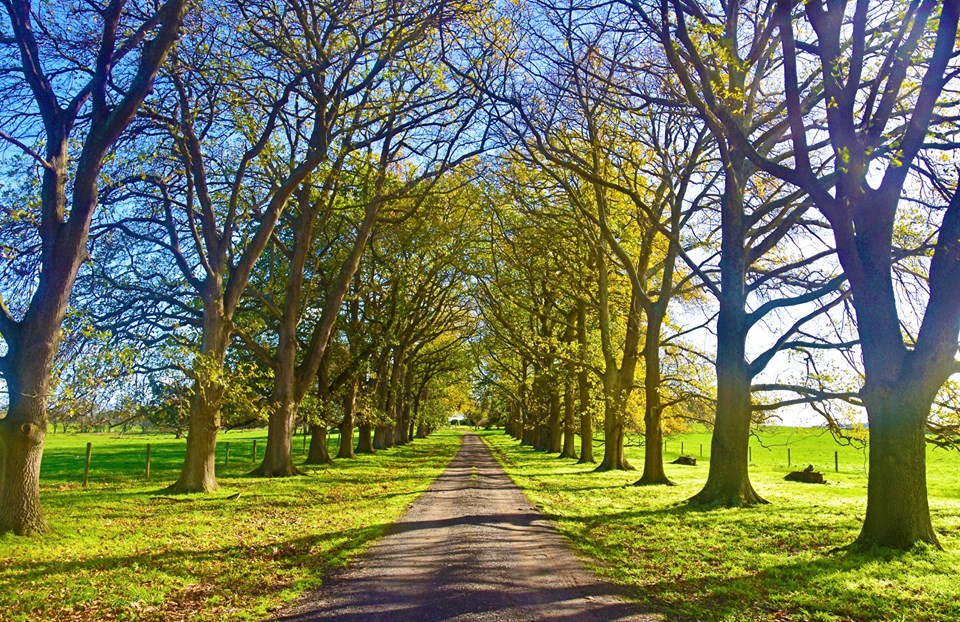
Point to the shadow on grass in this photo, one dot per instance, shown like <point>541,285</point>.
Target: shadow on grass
<point>720,589</point>
<point>825,579</point>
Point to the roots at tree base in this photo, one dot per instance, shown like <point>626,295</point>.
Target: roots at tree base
<point>182,489</point>
<point>621,465</point>
<point>739,498</point>
<point>289,471</point>
<point>653,481</point>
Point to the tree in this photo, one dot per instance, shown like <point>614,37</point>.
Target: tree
<point>722,62</point>
<point>887,72</point>
<point>69,94</point>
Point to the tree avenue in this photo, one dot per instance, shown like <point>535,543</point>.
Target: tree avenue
<point>590,224</point>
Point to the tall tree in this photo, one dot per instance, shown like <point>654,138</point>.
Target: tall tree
<point>889,74</point>
<point>722,62</point>
<point>69,94</point>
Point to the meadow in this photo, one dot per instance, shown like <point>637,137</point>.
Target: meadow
<point>122,549</point>
<point>781,561</point>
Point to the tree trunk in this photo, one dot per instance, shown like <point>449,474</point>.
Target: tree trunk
<point>364,440</point>
<point>346,424</point>
<point>583,386</point>
<point>614,414</point>
<point>613,435</point>
<point>406,430</point>
<point>529,435</point>
<point>728,481</point>
<point>318,453</point>
<point>278,457</point>
<point>199,465</point>
<point>555,427</point>
<point>27,366</point>
<point>513,420</point>
<point>543,438</point>
<point>653,472</point>
<point>898,515</point>
<point>569,433</point>
<point>421,430</point>
<point>22,433</point>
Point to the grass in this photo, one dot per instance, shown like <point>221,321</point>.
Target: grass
<point>122,550</point>
<point>771,562</point>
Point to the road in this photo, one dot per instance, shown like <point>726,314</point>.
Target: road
<point>470,548</point>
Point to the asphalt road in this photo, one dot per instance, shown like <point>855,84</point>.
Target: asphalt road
<point>471,548</point>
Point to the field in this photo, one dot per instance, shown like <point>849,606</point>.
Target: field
<point>772,562</point>
<point>121,549</point>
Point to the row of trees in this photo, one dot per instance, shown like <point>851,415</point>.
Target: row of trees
<point>236,162</point>
<point>327,213</point>
<point>785,165</point>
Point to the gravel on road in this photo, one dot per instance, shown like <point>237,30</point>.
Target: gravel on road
<point>470,548</point>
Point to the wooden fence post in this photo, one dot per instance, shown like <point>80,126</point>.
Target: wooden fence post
<point>254,450</point>
<point>226,455</point>
<point>148,462</point>
<point>86,465</point>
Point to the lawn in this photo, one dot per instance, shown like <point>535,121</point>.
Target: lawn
<point>121,549</point>
<point>772,562</point>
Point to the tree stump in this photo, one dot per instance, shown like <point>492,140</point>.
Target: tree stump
<point>806,476</point>
<point>687,460</point>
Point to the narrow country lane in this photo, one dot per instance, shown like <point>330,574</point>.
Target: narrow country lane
<point>471,548</point>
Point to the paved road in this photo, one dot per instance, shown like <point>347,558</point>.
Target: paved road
<point>471,548</point>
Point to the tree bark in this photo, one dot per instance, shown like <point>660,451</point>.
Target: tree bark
<point>583,386</point>
<point>22,433</point>
<point>529,435</point>
<point>728,481</point>
<point>346,424</point>
<point>555,426</point>
<point>318,453</point>
<point>27,366</point>
<point>364,439</point>
<point>542,438</point>
<point>617,381</point>
<point>613,434</point>
<point>898,514</point>
<point>569,436</point>
<point>198,473</point>
<point>653,472</point>
<point>278,457</point>
<point>569,433</point>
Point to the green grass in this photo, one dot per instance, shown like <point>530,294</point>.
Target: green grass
<point>771,562</point>
<point>121,550</point>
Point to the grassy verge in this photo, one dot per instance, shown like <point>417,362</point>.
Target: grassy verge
<point>122,550</point>
<point>773,562</point>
